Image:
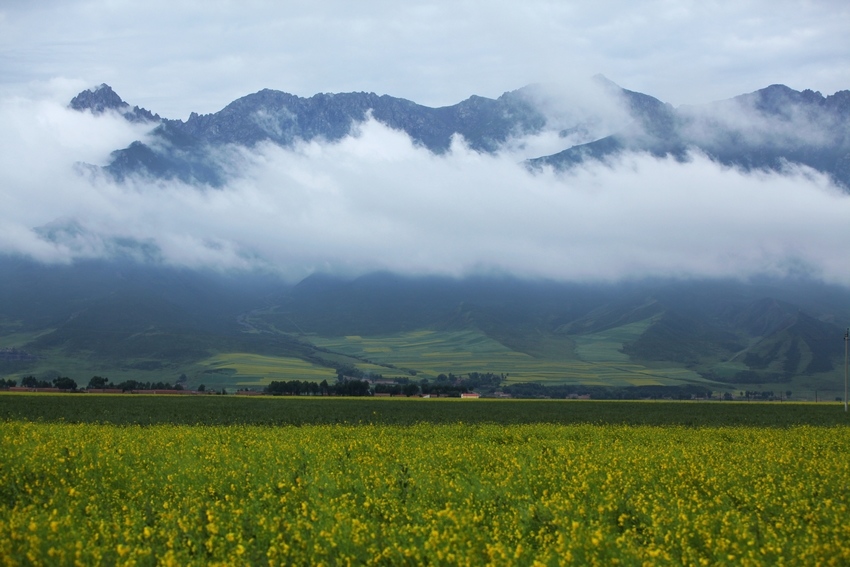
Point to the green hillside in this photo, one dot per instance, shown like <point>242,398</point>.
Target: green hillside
<point>592,360</point>
<point>127,321</point>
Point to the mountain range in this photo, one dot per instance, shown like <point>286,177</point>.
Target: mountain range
<point>771,129</point>
<point>131,319</point>
<point>128,320</point>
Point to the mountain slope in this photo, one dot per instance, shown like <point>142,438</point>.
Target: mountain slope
<point>770,129</point>
<point>702,326</point>
<point>144,320</point>
<point>183,150</point>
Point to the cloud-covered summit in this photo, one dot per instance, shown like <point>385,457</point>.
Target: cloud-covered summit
<point>375,197</point>
<point>102,98</point>
<point>770,129</point>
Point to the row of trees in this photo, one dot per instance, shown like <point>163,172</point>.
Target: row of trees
<point>444,385</point>
<point>352,381</point>
<point>101,383</point>
<point>363,388</point>
<point>535,390</point>
<point>96,383</point>
<point>768,395</point>
<point>61,382</point>
<point>298,388</point>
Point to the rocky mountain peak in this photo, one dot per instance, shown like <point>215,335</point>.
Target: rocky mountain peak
<point>813,128</point>
<point>98,99</point>
<point>102,98</point>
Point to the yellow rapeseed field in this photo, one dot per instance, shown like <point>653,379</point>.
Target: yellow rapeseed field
<point>426,494</point>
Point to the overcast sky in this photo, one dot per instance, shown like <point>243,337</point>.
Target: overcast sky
<point>177,57</point>
<point>376,201</point>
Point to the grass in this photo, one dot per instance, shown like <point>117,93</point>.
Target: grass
<point>423,494</point>
<point>606,347</point>
<point>249,369</point>
<point>237,362</point>
<point>230,480</point>
<point>19,340</point>
<point>82,366</point>
<point>595,359</point>
<point>129,409</point>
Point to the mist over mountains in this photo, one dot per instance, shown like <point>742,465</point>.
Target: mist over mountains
<point>133,321</point>
<point>771,129</point>
<point>578,182</point>
<point>595,234</point>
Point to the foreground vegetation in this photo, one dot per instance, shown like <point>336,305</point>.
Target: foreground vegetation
<point>422,494</point>
<point>170,480</point>
<point>133,409</point>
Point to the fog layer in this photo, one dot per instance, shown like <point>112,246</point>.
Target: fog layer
<point>375,201</point>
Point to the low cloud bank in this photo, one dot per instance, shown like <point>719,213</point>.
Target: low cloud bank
<point>375,201</point>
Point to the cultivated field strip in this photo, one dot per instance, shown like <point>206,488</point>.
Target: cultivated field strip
<point>255,370</point>
<point>460,352</point>
<point>535,494</point>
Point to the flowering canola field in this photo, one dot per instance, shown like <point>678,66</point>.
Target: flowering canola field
<point>452,494</point>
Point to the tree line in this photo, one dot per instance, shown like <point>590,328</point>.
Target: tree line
<point>96,383</point>
<point>308,388</point>
<point>101,383</point>
<point>536,390</point>
<point>354,382</point>
<point>61,382</point>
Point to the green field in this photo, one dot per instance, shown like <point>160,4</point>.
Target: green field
<point>591,359</point>
<point>16,340</point>
<point>246,369</point>
<point>140,409</point>
<point>156,324</point>
<point>82,366</point>
<point>588,359</point>
<point>201,480</point>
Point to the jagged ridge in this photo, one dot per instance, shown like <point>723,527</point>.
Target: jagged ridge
<point>768,129</point>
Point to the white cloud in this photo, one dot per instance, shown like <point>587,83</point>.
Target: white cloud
<point>174,58</point>
<point>375,201</point>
